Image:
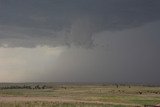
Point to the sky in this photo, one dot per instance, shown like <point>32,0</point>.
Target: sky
<point>80,41</point>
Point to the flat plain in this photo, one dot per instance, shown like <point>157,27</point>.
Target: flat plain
<point>77,95</point>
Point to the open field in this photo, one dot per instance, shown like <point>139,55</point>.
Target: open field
<point>78,95</point>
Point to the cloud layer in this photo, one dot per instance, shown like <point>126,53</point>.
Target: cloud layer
<point>56,23</point>
<point>130,55</point>
<point>80,40</point>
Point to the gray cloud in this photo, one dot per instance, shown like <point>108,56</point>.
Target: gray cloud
<point>55,23</point>
<point>132,56</point>
<point>109,40</point>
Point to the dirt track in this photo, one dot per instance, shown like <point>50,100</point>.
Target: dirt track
<point>54,99</point>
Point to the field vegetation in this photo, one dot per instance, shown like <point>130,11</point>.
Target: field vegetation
<point>77,95</point>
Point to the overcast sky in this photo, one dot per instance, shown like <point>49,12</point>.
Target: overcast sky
<point>80,41</point>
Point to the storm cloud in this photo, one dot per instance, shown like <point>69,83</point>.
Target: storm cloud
<point>80,40</point>
<point>74,22</point>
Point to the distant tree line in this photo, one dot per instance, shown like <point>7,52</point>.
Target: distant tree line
<point>25,87</point>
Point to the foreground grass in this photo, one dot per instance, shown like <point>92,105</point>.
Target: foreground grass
<point>109,93</point>
<point>51,104</point>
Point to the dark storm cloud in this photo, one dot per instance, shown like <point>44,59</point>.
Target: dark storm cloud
<point>122,37</point>
<point>133,55</point>
<point>28,23</point>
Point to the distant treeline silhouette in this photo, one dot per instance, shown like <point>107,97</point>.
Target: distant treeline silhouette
<point>24,87</point>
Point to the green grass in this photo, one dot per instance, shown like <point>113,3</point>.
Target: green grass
<point>110,93</point>
<point>51,104</point>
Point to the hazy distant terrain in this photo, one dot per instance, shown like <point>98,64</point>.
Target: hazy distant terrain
<point>77,95</point>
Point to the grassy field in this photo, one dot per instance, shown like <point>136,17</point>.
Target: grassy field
<point>72,95</point>
<point>50,104</point>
